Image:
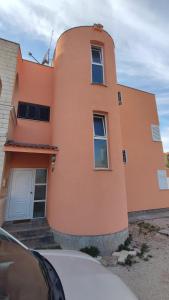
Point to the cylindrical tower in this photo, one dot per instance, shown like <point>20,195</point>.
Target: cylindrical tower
<point>87,199</point>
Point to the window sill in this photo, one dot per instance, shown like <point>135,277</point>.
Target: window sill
<point>99,84</point>
<point>101,169</point>
<point>20,118</point>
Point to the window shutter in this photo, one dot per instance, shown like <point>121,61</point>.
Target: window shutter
<point>155,133</point>
<point>162,179</point>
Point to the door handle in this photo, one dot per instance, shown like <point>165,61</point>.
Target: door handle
<point>31,193</point>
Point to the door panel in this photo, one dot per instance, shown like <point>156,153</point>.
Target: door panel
<point>20,196</point>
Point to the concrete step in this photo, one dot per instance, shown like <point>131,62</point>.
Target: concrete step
<point>38,241</point>
<point>35,234</point>
<point>25,225</point>
<point>26,233</point>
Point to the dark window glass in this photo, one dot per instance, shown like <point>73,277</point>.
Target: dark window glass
<point>22,109</point>
<point>97,73</point>
<point>100,149</point>
<point>40,192</point>
<point>39,210</point>
<point>41,175</point>
<point>44,113</point>
<point>119,98</point>
<point>33,111</point>
<point>124,156</point>
<point>96,55</point>
<point>99,126</point>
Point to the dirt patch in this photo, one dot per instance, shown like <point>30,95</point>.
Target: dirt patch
<point>149,279</point>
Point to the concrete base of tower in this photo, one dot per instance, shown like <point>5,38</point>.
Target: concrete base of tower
<point>105,243</point>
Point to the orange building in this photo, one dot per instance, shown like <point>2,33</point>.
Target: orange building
<point>76,147</point>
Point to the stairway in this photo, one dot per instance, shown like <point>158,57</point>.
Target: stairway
<point>35,234</point>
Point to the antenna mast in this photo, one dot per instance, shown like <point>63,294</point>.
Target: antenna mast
<point>46,56</point>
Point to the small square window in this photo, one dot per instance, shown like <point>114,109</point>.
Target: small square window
<point>125,156</point>
<point>119,98</point>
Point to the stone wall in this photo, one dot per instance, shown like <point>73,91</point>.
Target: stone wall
<point>8,62</point>
<point>106,243</point>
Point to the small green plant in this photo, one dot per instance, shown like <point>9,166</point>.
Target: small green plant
<point>129,261</point>
<point>92,251</point>
<point>126,244</point>
<point>144,249</point>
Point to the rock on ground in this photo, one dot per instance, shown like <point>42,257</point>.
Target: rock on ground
<point>149,280</point>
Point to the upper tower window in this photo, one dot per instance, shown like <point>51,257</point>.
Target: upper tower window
<point>97,65</point>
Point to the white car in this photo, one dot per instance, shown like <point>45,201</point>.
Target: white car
<point>54,274</point>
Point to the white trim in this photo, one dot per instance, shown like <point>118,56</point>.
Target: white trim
<point>105,138</point>
<point>41,184</point>
<point>162,179</point>
<point>98,64</point>
<point>155,131</point>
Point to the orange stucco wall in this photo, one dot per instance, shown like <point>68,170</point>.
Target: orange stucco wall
<point>25,160</point>
<point>82,200</point>
<point>145,156</point>
<point>35,85</point>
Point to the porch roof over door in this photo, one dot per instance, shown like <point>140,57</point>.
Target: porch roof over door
<point>14,146</point>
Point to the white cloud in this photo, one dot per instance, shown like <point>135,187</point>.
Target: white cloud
<point>140,30</point>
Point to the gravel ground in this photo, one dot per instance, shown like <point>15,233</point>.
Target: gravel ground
<point>149,280</point>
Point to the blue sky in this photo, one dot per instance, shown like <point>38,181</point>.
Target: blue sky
<point>140,30</point>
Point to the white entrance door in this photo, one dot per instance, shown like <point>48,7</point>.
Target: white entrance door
<point>20,195</point>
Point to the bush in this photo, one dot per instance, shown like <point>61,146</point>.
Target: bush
<point>144,249</point>
<point>129,260</point>
<point>92,251</point>
<point>126,244</point>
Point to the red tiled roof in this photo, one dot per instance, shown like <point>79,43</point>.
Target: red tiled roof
<point>29,145</point>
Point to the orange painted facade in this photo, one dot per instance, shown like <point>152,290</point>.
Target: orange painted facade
<point>82,200</point>
<point>145,156</point>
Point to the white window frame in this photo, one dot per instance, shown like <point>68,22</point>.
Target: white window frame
<point>98,64</point>
<point>42,200</point>
<point>162,179</point>
<point>155,127</point>
<point>98,137</point>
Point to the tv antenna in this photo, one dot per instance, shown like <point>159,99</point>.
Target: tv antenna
<point>46,58</point>
<point>30,54</point>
